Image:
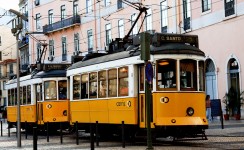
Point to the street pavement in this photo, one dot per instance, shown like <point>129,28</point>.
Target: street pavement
<point>231,137</point>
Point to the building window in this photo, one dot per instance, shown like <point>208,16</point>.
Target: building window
<point>164,16</point>
<point>63,13</point>
<point>90,40</point>
<point>76,42</point>
<point>39,52</point>
<point>187,14</point>
<point>206,5</point>
<point>149,19</point>
<point>11,68</point>
<point>108,33</point>
<point>50,16</point>
<point>107,3</point>
<point>121,28</point>
<point>133,19</point>
<point>38,21</point>
<point>64,49</point>
<point>75,8</point>
<point>51,48</point>
<point>229,7</point>
<point>0,41</point>
<point>119,4</point>
<point>88,6</point>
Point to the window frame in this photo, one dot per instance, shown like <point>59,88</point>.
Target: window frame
<point>108,33</point>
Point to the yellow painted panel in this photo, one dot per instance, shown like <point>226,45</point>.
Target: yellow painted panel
<point>12,113</point>
<point>176,108</point>
<point>181,121</point>
<point>79,111</point>
<point>123,109</point>
<point>99,111</point>
<point>55,111</point>
<point>27,112</point>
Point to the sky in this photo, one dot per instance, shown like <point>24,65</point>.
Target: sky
<point>7,4</point>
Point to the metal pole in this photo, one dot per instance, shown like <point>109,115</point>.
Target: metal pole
<point>18,95</point>
<point>148,113</point>
<point>145,55</point>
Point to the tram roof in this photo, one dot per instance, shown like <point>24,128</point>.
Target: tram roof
<point>50,73</point>
<point>166,48</point>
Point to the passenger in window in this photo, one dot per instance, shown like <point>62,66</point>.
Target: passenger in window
<point>62,93</point>
<point>103,89</point>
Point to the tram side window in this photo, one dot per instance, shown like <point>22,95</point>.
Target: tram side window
<point>62,89</point>
<point>12,97</point>
<point>201,76</point>
<point>15,96</point>
<point>188,75</point>
<point>102,83</point>
<point>38,92</point>
<point>93,85</point>
<point>112,82</point>
<point>84,86</point>
<point>50,90</point>
<point>142,76</point>
<point>166,74</point>
<point>21,95</point>
<point>28,94</point>
<point>76,87</point>
<point>9,98</point>
<point>24,95</point>
<point>123,81</point>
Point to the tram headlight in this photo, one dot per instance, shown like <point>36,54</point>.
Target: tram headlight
<point>190,111</point>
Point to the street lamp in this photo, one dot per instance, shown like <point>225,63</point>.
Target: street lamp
<point>16,30</point>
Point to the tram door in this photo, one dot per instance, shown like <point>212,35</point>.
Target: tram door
<point>142,98</point>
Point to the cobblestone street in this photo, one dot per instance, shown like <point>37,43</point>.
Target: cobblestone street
<point>231,137</point>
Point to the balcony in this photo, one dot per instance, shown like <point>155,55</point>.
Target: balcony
<point>24,67</point>
<point>64,57</point>
<point>66,23</point>
<point>23,42</point>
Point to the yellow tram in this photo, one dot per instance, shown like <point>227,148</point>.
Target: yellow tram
<point>43,99</point>
<point>110,89</point>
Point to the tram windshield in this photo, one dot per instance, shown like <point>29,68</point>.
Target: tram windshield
<point>50,91</point>
<point>169,79</point>
<point>166,74</point>
<point>62,89</point>
<point>188,75</point>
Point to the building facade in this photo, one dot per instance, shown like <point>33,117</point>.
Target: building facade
<point>7,56</point>
<point>77,27</point>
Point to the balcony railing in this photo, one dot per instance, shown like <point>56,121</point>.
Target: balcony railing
<point>24,41</point>
<point>64,57</point>
<point>24,67</point>
<point>187,24</point>
<point>61,24</point>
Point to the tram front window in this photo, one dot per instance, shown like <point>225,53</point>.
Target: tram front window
<point>50,91</point>
<point>166,74</point>
<point>188,75</point>
<point>62,89</point>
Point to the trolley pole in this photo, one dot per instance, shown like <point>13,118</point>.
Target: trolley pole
<point>145,55</point>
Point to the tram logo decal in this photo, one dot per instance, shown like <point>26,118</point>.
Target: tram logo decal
<point>49,106</point>
<point>128,103</point>
<point>164,100</point>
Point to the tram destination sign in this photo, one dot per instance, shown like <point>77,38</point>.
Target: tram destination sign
<point>159,39</point>
<point>55,66</point>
